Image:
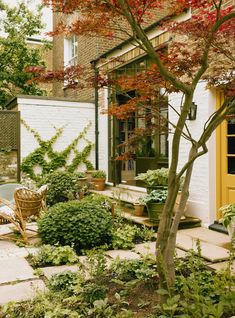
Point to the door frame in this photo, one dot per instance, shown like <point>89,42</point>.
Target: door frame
<point>219,101</point>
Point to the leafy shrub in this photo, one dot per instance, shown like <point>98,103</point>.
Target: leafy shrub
<point>61,187</point>
<point>80,224</point>
<point>98,174</point>
<point>127,270</point>
<point>100,200</point>
<point>157,196</point>
<point>123,237</point>
<point>54,255</point>
<point>92,292</point>
<point>64,281</point>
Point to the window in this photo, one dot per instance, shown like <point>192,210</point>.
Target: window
<point>71,51</point>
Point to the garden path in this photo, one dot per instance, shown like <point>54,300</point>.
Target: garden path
<point>18,281</point>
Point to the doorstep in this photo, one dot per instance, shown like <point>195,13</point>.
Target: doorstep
<point>186,223</point>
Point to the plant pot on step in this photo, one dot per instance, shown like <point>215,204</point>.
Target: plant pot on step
<point>155,210</point>
<point>139,209</point>
<point>98,180</point>
<point>99,184</point>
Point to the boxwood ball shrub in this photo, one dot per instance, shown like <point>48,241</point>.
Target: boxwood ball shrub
<point>81,225</point>
<point>61,187</point>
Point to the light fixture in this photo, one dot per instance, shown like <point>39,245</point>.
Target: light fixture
<point>192,114</point>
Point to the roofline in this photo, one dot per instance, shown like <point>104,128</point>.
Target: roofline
<point>13,102</point>
<point>120,45</point>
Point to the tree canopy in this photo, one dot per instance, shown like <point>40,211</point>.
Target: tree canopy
<point>16,55</point>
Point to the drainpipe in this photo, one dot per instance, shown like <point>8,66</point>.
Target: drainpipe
<point>96,72</point>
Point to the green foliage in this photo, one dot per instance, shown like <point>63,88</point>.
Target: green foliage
<point>79,224</point>
<point>54,255</point>
<point>228,214</point>
<point>157,196</point>
<point>96,262</point>
<point>123,237</point>
<point>64,281</point>
<point>61,187</point>
<point>99,199</point>
<point>92,292</point>
<point>18,23</point>
<point>56,160</point>
<point>126,270</point>
<point>158,177</point>
<point>200,292</point>
<point>98,174</point>
<point>80,174</point>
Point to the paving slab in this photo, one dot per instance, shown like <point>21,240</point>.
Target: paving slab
<point>15,269</point>
<point>21,291</point>
<point>209,251</point>
<point>52,270</point>
<point>145,249</point>
<point>180,253</point>
<point>6,229</point>
<point>222,266</point>
<point>122,254</point>
<point>208,236</point>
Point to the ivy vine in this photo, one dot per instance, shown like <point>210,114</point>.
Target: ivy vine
<point>50,160</point>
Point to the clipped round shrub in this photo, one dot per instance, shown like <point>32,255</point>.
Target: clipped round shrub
<point>61,187</point>
<point>81,225</point>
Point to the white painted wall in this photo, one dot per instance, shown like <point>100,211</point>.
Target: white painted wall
<point>44,115</point>
<point>103,130</point>
<point>203,183</point>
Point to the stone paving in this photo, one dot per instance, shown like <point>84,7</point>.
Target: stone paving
<point>19,282</point>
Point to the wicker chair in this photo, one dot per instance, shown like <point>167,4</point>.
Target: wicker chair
<point>27,203</point>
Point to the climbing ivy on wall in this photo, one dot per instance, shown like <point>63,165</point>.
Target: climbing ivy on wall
<point>50,160</point>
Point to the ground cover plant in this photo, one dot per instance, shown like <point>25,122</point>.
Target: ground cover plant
<point>53,255</point>
<point>128,288</point>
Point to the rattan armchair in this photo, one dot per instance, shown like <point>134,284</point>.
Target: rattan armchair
<point>27,204</point>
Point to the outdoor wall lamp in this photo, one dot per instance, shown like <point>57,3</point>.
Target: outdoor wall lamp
<point>192,114</point>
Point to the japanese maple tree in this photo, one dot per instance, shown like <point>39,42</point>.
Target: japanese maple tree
<point>201,47</point>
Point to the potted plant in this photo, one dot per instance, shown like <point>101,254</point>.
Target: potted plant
<point>155,201</point>
<point>98,179</point>
<point>228,218</point>
<point>139,206</point>
<point>81,178</point>
<point>154,179</point>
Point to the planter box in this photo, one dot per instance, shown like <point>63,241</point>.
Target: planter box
<point>154,211</point>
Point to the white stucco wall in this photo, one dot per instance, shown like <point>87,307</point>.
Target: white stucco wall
<point>203,183</point>
<point>44,115</point>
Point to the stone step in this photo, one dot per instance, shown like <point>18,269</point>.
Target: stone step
<point>210,252</point>
<point>209,236</point>
<point>21,291</point>
<point>15,269</point>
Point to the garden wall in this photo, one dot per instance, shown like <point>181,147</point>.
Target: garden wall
<point>46,115</point>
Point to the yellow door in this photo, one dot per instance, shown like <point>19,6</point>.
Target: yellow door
<point>225,160</point>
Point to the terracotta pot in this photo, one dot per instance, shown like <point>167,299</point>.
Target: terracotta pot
<point>139,209</point>
<point>99,183</point>
<point>81,182</point>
